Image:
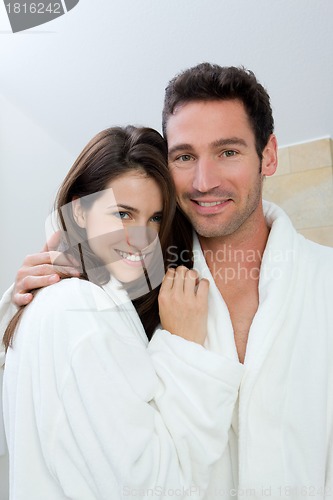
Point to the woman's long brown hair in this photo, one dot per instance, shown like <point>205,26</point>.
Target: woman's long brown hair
<point>111,154</point>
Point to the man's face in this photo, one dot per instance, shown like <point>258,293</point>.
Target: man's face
<point>215,166</point>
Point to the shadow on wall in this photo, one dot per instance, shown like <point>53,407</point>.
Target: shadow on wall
<point>303,187</point>
<point>4,495</point>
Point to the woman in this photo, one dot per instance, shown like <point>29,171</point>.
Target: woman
<point>92,410</point>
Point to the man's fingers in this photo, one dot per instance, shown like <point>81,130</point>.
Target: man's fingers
<point>46,270</point>
<point>21,299</point>
<point>32,282</point>
<point>66,271</point>
<point>41,276</point>
<point>49,258</point>
<point>51,247</point>
<point>63,259</point>
<point>53,242</point>
<point>40,258</point>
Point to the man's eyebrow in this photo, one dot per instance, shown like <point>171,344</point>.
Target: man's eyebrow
<point>230,141</point>
<point>180,147</point>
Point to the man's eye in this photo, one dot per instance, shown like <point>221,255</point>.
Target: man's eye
<point>184,158</point>
<point>229,153</point>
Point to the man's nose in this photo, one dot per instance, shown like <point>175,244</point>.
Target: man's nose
<point>206,175</point>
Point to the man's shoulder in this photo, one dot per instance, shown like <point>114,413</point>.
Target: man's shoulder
<point>316,256</point>
<point>316,249</point>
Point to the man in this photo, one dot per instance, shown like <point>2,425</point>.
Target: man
<point>271,290</point>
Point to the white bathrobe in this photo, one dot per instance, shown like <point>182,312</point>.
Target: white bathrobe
<point>280,439</point>
<point>92,412</point>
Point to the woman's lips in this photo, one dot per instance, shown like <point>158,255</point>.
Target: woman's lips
<point>132,259</point>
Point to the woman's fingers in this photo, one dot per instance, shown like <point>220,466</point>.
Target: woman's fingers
<point>191,280</point>
<point>202,289</point>
<point>183,304</point>
<point>179,279</point>
<point>168,280</point>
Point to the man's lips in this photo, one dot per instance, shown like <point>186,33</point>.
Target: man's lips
<point>209,203</point>
<point>210,206</point>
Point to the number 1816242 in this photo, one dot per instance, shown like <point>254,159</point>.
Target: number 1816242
<point>34,8</point>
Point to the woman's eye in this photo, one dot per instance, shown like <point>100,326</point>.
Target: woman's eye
<point>157,219</point>
<point>121,215</point>
<point>229,153</point>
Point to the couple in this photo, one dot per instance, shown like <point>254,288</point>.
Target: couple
<point>236,403</point>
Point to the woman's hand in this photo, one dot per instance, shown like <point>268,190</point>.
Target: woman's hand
<point>183,304</point>
<point>39,270</point>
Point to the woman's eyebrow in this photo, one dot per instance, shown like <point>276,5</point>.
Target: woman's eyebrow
<point>125,207</point>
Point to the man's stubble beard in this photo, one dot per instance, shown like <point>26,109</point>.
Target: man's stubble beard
<point>234,223</point>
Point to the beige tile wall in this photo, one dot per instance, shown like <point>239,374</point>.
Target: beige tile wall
<point>303,187</point>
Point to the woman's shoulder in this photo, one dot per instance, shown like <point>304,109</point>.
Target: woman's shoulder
<point>65,314</point>
<point>71,294</point>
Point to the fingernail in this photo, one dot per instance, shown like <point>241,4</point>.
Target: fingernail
<point>74,272</point>
<point>53,278</point>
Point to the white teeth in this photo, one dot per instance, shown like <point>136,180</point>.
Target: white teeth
<point>130,256</point>
<point>212,204</point>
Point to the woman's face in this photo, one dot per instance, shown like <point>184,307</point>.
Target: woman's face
<point>122,224</point>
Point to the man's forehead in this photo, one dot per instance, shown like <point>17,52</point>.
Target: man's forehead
<point>214,123</point>
<point>201,110</point>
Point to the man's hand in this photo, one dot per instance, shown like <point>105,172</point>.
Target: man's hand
<point>183,304</point>
<point>38,271</point>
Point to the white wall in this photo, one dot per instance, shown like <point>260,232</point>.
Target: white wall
<point>32,166</point>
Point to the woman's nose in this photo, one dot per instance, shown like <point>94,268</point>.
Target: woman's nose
<point>140,237</point>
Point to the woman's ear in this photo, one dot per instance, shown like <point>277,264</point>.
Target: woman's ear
<point>269,157</point>
<point>78,212</point>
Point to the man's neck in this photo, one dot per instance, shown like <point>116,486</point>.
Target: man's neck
<point>243,248</point>
<point>234,262</point>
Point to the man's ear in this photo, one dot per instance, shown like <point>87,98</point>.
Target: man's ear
<point>78,212</point>
<point>269,157</point>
